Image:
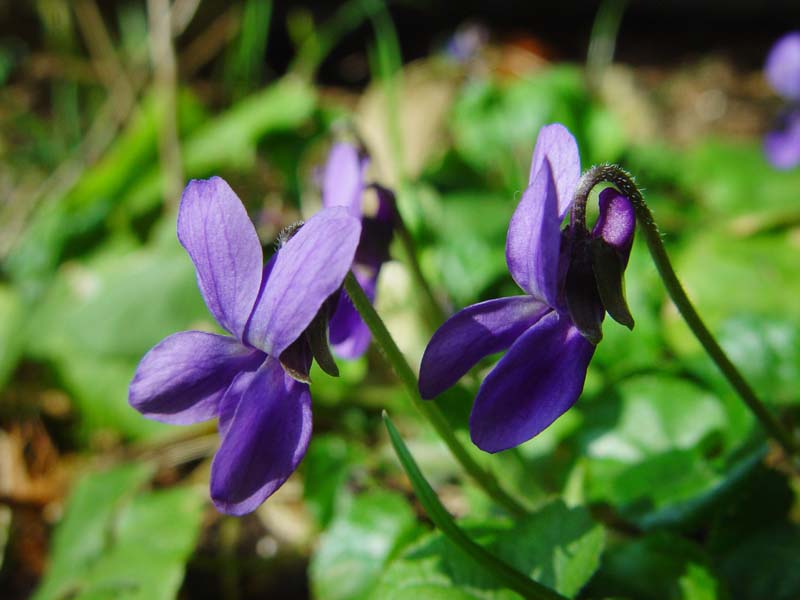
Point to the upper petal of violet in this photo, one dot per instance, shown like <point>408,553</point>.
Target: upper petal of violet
<point>472,334</point>
<point>533,244</point>
<point>310,267</point>
<point>214,228</point>
<point>783,66</point>
<point>264,440</point>
<point>556,144</point>
<point>616,222</point>
<point>539,378</point>
<point>182,379</point>
<point>343,178</point>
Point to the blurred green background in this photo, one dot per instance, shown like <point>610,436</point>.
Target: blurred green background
<point>657,485</point>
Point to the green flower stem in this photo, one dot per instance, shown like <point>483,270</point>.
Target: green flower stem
<point>398,362</point>
<point>625,184</point>
<point>505,574</point>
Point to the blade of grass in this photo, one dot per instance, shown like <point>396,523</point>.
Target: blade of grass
<point>318,45</point>
<point>502,571</point>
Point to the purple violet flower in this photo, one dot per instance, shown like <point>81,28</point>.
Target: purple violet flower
<point>192,376</point>
<point>343,185</point>
<point>782,145</point>
<point>550,333</point>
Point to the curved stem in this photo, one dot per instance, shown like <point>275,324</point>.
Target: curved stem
<point>625,184</point>
<point>501,570</point>
<point>398,362</point>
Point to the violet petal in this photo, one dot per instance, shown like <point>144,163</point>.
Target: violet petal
<point>782,145</point>
<point>557,144</point>
<point>264,441</point>
<point>534,239</point>
<point>539,378</point>
<point>349,335</point>
<point>343,178</point>
<point>230,400</point>
<point>214,228</point>
<point>783,66</point>
<point>309,268</point>
<point>470,335</point>
<point>616,222</point>
<point>182,379</point>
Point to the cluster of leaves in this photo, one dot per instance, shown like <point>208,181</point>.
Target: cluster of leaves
<point>657,485</point>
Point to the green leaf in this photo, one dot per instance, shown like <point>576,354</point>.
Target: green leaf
<point>651,415</point>
<point>83,212</point>
<point>353,551</point>
<point>657,567</point>
<point>494,126</point>
<point>119,303</point>
<point>81,535</point>
<point>99,387</point>
<point>730,278</point>
<point>735,180</point>
<point>765,565</point>
<point>101,315</point>
<point>557,545</point>
<point>469,253</point>
<point>326,466</point>
<point>11,332</point>
<point>646,444</point>
<point>229,140</point>
<point>766,351</point>
<point>116,543</point>
<point>754,541</point>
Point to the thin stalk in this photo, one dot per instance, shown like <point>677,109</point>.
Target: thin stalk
<point>625,184</point>
<point>431,412</point>
<point>505,574</point>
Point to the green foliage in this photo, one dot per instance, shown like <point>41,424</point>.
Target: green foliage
<point>659,449</point>
<point>359,542</point>
<point>657,567</point>
<point>558,546</point>
<point>327,465</point>
<point>11,331</point>
<point>117,541</point>
<point>90,329</point>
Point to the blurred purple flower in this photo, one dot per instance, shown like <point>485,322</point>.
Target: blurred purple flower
<point>550,332</point>
<point>782,145</point>
<point>467,41</point>
<point>264,414</point>
<point>343,185</point>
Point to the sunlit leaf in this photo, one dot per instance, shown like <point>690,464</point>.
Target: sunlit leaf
<point>355,548</point>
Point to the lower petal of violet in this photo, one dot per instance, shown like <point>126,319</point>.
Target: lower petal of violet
<point>182,379</point>
<point>472,334</point>
<point>264,440</point>
<point>349,335</point>
<point>539,378</point>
